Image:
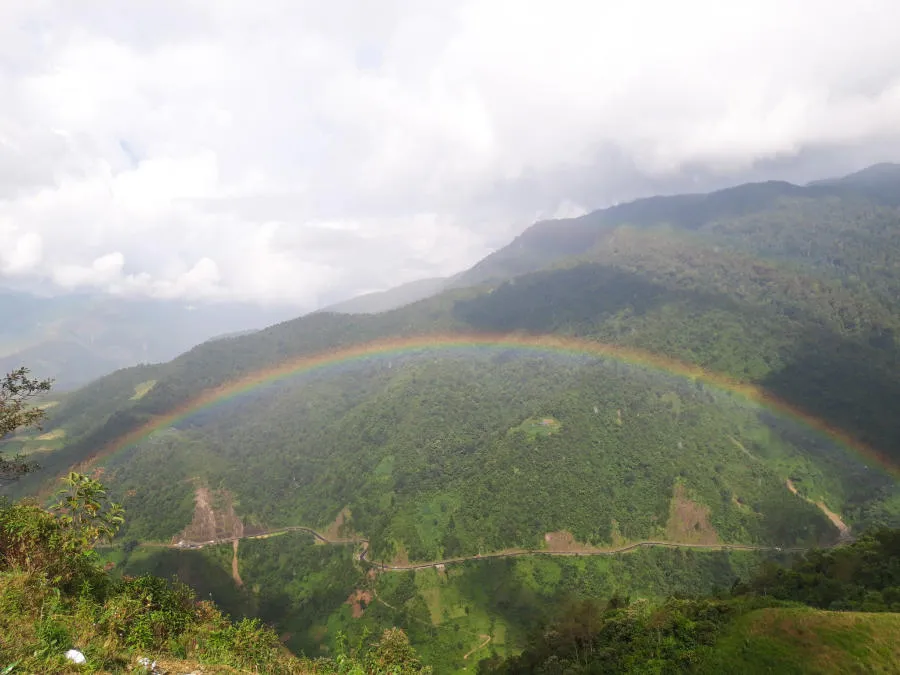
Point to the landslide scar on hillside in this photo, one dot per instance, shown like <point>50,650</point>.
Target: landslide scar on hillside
<point>214,518</point>
<point>689,521</point>
<point>339,529</point>
<point>842,527</point>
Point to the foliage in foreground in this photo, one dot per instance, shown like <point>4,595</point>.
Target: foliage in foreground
<point>54,595</point>
<point>16,392</point>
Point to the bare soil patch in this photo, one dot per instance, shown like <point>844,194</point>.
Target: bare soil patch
<point>401,558</point>
<point>565,542</point>
<point>358,601</point>
<point>235,573</point>
<point>689,521</point>
<point>338,528</point>
<point>835,519</point>
<point>214,518</point>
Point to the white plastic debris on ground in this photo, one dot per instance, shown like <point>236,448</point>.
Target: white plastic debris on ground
<point>75,656</point>
<point>148,664</point>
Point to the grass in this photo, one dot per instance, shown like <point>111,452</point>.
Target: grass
<point>38,624</point>
<point>142,389</point>
<point>54,435</point>
<point>539,426</point>
<point>40,445</point>
<point>460,622</point>
<point>56,595</point>
<point>802,640</point>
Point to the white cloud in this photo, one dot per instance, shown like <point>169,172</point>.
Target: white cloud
<point>292,151</point>
<point>20,253</point>
<point>101,272</point>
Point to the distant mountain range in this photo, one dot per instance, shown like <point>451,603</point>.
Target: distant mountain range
<point>78,338</point>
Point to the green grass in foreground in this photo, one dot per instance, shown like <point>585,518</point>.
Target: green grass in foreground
<point>804,640</point>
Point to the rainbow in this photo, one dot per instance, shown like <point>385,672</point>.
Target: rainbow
<point>540,344</point>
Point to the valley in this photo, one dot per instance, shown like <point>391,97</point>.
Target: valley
<point>659,399</point>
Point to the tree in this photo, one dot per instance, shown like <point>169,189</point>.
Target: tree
<point>86,511</point>
<point>16,392</point>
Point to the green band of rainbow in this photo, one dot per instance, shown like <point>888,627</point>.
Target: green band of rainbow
<point>534,343</point>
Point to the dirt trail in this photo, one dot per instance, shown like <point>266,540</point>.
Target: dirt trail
<point>235,574</point>
<point>835,519</point>
<point>516,553</point>
<point>740,446</point>
<point>487,639</point>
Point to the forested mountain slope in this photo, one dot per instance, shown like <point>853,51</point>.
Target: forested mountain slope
<point>474,446</point>
<point>773,218</point>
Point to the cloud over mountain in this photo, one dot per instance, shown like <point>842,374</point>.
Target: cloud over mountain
<point>299,152</point>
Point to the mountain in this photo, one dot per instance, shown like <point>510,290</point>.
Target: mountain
<point>703,214</point>
<point>78,338</point>
<point>878,182</point>
<point>702,380</point>
<point>383,301</point>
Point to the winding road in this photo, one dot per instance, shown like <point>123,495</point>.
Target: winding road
<point>510,553</point>
<point>362,557</point>
<point>844,538</point>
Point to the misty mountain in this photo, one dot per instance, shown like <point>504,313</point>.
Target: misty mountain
<point>879,181</point>
<point>383,301</point>
<point>77,338</point>
<point>546,242</point>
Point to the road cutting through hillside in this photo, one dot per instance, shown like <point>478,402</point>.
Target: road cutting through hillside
<point>508,553</point>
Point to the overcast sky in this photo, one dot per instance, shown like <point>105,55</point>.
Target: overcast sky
<point>307,151</point>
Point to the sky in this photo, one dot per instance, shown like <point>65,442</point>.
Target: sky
<point>300,152</point>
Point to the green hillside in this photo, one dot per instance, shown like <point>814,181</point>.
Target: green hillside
<point>312,591</point>
<point>662,610</point>
<point>501,616</point>
<point>454,451</point>
<point>808,641</point>
<point>784,620</point>
<point>432,460</point>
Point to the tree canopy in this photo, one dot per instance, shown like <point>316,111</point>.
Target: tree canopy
<point>17,392</point>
